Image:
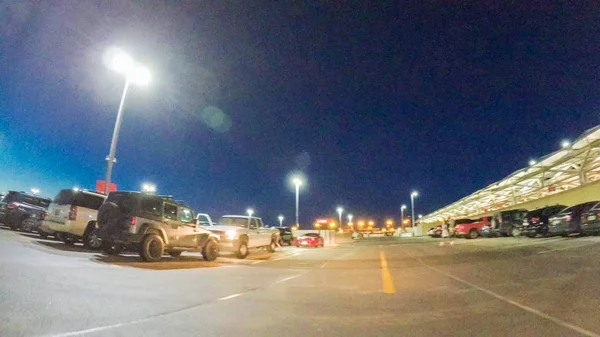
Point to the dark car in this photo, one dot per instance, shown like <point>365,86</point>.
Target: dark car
<point>590,220</point>
<point>17,207</point>
<point>285,235</point>
<point>536,222</point>
<point>507,223</point>
<point>568,221</point>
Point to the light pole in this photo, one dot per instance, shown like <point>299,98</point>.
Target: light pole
<point>250,211</point>
<point>412,205</point>
<point>402,208</point>
<point>134,73</point>
<point>340,211</point>
<point>149,188</point>
<point>280,220</point>
<point>297,181</point>
<point>350,216</point>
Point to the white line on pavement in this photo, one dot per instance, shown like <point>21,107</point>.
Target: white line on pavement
<point>287,279</point>
<point>229,297</point>
<point>509,301</point>
<point>571,247</point>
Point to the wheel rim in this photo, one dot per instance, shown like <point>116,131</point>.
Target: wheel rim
<point>243,249</point>
<point>212,250</point>
<point>154,249</point>
<point>94,241</point>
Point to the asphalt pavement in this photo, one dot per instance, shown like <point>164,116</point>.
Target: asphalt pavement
<point>383,286</point>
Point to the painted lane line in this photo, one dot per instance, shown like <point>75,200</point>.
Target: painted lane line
<point>287,279</point>
<point>388,283</point>
<point>509,301</point>
<point>229,297</point>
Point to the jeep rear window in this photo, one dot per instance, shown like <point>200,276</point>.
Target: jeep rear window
<point>90,201</point>
<point>238,222</point>
<point>127,202</point>
<point>28,199</point>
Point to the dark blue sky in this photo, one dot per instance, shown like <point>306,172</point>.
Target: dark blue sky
<point>368,100</point>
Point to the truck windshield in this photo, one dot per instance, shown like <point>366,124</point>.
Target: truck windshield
<point>238,222</point>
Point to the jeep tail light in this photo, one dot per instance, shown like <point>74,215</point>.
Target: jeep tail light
<point>598,214</point>
<point>73,213</point>
<point>12,205</point>
<point>133,221</point>
<point>568,218</point>
<point>535,219</point>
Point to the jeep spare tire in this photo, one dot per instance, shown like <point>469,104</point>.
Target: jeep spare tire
<point>109,215</point>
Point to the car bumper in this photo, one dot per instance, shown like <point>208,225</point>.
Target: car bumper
<point>228,246</point>
<point>45,228</point>
<point>590,228</point>
<point>302,243</point>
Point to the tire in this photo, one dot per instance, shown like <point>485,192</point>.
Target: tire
<point>175,253</point>
<point>25,226</point>
<point>242,250</point>
<point>111,248</point>
<point>43,235</point>
<point>271,247</point>
<point>210,252</point>
<point>531,235</point>
<point>69,240</point>
<point>152,248</point>
<point>92,241</point>
<point>473,234</point>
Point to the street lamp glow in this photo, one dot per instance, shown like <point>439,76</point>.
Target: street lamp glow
<point>565,144</point>
<point>297,182</point>
<point>532,162</point>
<point>280,220</point>
<point>148,188</point>
<point>420,216</point>
<point>402,208</point>
<point>350,216</point>
<point>340,210</point>
<point>35,191</point>
<point>413,195</point>
<point>75,189</point>
<point>250,211</point>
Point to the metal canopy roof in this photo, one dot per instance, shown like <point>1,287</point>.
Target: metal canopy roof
<point>567,168</point>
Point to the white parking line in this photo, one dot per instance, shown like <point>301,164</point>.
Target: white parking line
<point>508,300</point>
<point>287,279</point>
<point>229,297</point>
<point>571,247</point>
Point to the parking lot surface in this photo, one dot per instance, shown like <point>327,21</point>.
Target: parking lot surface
<point>375,287</point>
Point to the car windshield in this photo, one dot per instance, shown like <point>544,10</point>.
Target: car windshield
<point>231,221</point>
<point>81,199</point>
<point>312,235</point>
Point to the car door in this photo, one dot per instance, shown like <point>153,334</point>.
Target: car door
<point>172,225</point>
<point>188,229</point>
<point>265,233</point>
<point>254,234</point>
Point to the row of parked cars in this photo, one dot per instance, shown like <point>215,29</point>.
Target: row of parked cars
<point>581,219</point>
<point>151,224</point>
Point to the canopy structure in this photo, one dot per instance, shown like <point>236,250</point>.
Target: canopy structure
<point>570,167</point>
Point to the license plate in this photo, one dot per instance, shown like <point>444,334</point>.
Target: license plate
<point>592,217</point>
<point>304,242</point>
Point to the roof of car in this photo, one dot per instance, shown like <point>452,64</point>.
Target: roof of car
<point>239,216</point>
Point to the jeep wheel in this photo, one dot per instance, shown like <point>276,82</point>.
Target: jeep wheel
<point>69,240</point>
<point>271,247</point>
<point>473,234</point>
<point>152,248</point>
<point>242,250</point>
<point>210,252</point>
<point>111,248</point>
<point>175,253</point>
<point>92,241</point>
<point>26,226</point>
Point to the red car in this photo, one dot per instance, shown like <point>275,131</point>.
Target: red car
<point>471,230</point>
<point>310,240</point>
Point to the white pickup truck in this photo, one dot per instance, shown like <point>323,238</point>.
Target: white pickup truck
<point>240,232</point>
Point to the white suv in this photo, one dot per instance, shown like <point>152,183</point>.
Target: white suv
<point>72,216</point>
<point>240,232</point>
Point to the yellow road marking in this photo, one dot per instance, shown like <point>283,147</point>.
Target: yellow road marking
<point>388,283</point>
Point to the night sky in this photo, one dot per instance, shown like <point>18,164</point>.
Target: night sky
<point>369,100</point>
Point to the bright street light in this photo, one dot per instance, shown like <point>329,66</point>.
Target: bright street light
<point>412,205</point>
<point>340,211</point>
<point>250,211</point>
<point>402,208</point>
<point>148,188</point>
<point>280,220</point>
<point>35,191</point>
<point>134,73</point>
<point>565,144</point>
<point>532,162</point>
<point>350,216</point>
<point>297,182</point>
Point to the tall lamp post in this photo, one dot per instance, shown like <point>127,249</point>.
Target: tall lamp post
<point>297,181</point>
<point>350,216</point>
<point>280,220</point>
<point>340,211</point>
<point>413,195</point>
<point>136,74</point>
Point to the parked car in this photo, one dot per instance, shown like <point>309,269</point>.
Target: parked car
<point>456,222</point>
<point>285,235</point>
<point>153,224</point>
<point>536,221</point>
<point>590,220</point>
<point>568,220</point>
<point>435,232</point>
<point>471,230</point>
<point>310,240</point>
<point>17,207</point>
<point>240,232</point>
<point>507,223</point>
<point>72,216</point>
<point>204,220</point>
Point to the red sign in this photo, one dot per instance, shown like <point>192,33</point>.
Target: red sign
<point>101,186</point>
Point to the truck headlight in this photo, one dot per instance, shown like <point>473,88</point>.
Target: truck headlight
<point>230,235</point>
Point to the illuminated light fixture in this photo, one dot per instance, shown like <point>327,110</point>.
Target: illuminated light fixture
<point>565,144</point>
<point>532,162</point>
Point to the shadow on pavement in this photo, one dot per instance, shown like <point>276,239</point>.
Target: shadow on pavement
<point>167,263</point>
<point>61,246</point>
